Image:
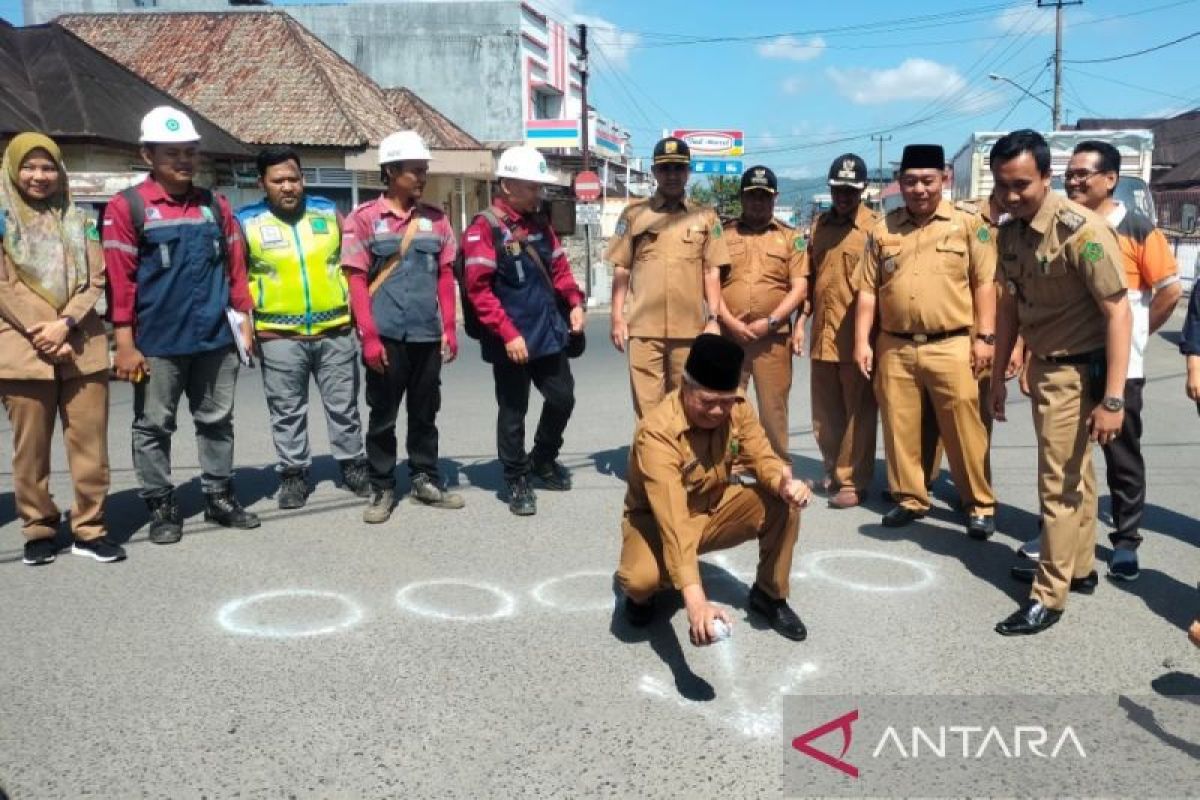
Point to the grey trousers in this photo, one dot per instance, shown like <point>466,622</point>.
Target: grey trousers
<point>287,364</point>
<point>209,380</point>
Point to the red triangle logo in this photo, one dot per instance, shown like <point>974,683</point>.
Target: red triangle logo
<point>842,723</point>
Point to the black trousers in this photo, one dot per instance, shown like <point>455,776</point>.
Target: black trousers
<point>1127,471</point>
<point>552,377</point>
<point>414,369</point>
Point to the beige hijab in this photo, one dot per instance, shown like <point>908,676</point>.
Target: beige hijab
<point>46,241</point>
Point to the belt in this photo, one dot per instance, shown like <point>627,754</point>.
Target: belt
<point>922,338</point>
<point>1077,358</point>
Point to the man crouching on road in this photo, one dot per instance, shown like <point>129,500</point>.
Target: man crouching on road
<point>681,504</point>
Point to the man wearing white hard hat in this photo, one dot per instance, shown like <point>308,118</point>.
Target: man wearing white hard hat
<point>530,310</point>
<point>398,255</point>
<point>175,261</point>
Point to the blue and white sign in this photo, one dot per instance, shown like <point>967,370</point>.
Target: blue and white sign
<point>707,166</point>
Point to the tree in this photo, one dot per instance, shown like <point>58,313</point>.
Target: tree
<point>721,192</point>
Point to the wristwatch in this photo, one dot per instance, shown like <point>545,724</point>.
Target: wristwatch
<point>1113,403</point>
<point>986,338</point>
<point>773,323</point>
<point>711,318</point>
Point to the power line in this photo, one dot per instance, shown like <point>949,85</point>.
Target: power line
<point>1156,48</point>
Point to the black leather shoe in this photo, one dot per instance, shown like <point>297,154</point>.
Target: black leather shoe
<point>779,614</point>
<point>521,499</point>
<point>639,615</point>
<point>552,475</point>
<point>225,510</point>
<point>1033,617</point>
<point>981,528</point>
<point>900,516</point>
<point>166,523</point>
<point>1086,585</point>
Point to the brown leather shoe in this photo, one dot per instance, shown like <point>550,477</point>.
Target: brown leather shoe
<point>847,497</point>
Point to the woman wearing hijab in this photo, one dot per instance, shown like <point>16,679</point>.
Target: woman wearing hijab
<point>55,351</point>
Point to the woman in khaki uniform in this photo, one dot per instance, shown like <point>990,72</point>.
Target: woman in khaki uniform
<point>55,348</point>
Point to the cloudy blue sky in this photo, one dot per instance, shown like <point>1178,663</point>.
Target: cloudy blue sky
<point>807,81</point>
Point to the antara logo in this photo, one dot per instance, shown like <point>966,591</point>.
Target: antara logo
<point>842,723</point>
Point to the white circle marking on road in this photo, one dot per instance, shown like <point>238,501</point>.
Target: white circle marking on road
<point>406,599</point>
<point>815,563</point>
<point>232,615</point>
<point>544,592</point>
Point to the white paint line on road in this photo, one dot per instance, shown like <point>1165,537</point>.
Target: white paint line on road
<point>235,615</point>
<point>815,564</point>
<point>544,592</point>
<point>407,600</point>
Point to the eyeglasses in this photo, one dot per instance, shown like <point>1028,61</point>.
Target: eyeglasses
<point>1079,175</point>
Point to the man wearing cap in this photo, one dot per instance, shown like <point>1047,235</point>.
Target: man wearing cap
<point>519,284</point>
<point>681,504</point>
<point>1065,292</point>
<point>175,262</point>
<point>928,269</point>
<point>397,253</point>
<point>666,256</point>
<point>302,321</point>
<point>765,282</point>
<point>844,413</point>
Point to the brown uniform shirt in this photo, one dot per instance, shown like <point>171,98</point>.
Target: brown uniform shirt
<point>1060,266</point>
<point>762,266</point>
<point>924,276</point>
<point>835,250</point>
<point>678,474</point>
<point>666,252</point>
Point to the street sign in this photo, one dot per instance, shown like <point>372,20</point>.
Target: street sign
<point>587,186</point>
<point>587,214</point>
<point>709,143</point>
<point>708,166</point>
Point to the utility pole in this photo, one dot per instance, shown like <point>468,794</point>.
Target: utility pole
<point>881,139</point>
<point>1057,5</point>
<point>585,152</point>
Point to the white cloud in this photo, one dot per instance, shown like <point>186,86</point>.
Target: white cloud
<point>794,85</point>
<point>914,79</point>
<point>789,48</point>
<point>615,43</point>
<point>801,172</point>
<point>1029,20</point>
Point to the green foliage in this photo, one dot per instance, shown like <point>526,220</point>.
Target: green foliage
<point>721,192</point>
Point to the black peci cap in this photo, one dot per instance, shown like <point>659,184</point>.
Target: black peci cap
<point>923,156</point>
<point>715,362</point>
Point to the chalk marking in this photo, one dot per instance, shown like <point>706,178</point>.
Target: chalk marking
<point>229,616</point>
<point>506,604</point>
<point>815,564</point>
<point>543,592</point>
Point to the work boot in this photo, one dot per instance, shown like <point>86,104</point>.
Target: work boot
<point>552,475</point>
<point>426,492</point>
<point>778,614</point>
<point>521,499</point>
<point>166,523</point>
<point>356,476</point>
<point>380,508</point>
<point>293,488</point>
<point>224,509</point>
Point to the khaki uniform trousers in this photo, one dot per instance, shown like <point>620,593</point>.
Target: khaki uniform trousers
<point>655,370</point>
<point>744,513</point>
<point>1066,480</point>
<point>844,418</point>
<point>769,362</point>
<point>941,370</point>
<point>82,405</point>
<point>985,416</point>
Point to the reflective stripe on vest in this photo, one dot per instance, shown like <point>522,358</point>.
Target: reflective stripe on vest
<point>295,270</point>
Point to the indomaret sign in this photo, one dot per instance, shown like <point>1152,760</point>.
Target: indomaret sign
<point>713,143</point>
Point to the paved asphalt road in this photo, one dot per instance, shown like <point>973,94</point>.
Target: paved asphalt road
<point>474,654</point>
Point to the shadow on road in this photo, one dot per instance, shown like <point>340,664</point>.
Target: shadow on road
<point>613,462</point>
<point>1173,600</point>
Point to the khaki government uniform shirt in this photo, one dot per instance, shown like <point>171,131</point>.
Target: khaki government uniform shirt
<point>924,277</point>
<point>678,474</point>
<point>835,251</point>
<point>666,252</point>
<point>1060,266</point>
<point>762,266</point>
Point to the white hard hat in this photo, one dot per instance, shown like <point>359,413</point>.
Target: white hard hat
<point>403,146</point>
<point>523,163</point>
<point>165,125</point>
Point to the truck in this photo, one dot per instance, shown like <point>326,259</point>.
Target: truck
<point>972,174</point>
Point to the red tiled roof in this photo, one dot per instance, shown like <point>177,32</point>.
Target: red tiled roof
<point>261,75</point>
<point>438,130</point>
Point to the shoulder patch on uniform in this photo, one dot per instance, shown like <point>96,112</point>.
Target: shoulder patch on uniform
<point>983,234</point>
<point>717,230</point>
<point>622,227</point>
<point>1092,252</point>
<point>799,243</point>
<point>89,229</point>
<point>1073,220</point>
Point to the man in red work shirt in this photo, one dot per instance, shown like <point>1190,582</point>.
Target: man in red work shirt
<point>398,255</point>
<point>515,289</point>
<point>175,261</point>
